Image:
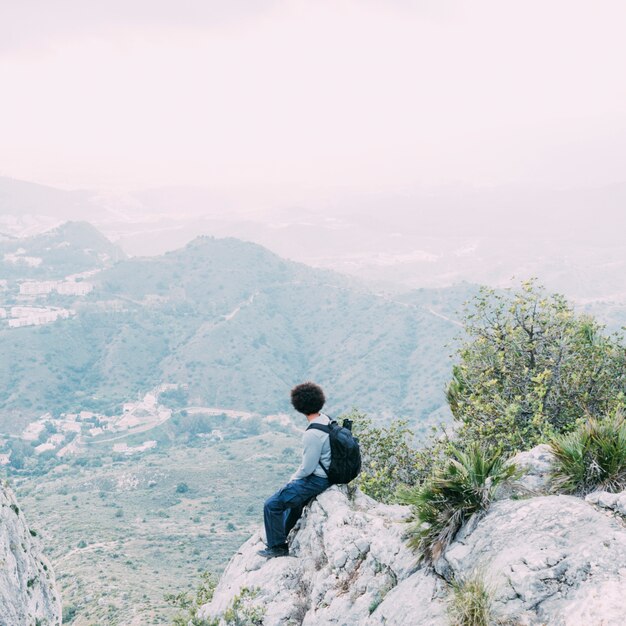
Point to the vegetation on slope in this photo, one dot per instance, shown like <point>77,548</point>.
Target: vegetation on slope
<point>465,485</point>
<point>240,327</point>
<point>530,371</point>
<point>591,457</point>
<point>531,368</point>
<point>121,534</point>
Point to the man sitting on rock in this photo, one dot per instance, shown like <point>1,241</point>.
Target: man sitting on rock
<point>283,509</point>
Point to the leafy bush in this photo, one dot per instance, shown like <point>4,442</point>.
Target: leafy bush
<point>389,458</point>
<point>69,612</point>
<point>242,611</point>
<point>470,603</point>
<point>464,485</point>
<point>174,398</point>
<point>190,605</point>
<point>530,368</point>
<point>592,457</point>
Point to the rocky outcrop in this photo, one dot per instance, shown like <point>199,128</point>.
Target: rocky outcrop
<point>535,467</point>
<point>555,560</point>
<point>349,566</point>
<point>552,560</point>
<point>28,593</point>
<point>612,501</point>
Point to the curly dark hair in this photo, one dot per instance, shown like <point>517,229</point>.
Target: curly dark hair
<point>307,398</point>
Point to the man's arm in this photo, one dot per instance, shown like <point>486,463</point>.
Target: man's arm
<point>310,455</point>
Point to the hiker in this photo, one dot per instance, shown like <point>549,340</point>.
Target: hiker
<point>284,508</point>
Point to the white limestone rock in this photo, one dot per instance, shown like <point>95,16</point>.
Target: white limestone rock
<point>554,560</point>
<point>420,599</point>
<point>620,504</point>
<point>550,560</point>
<point>348,556</point>
<point>607,500</point>
<point>536,467</point>
<point>28,593</point>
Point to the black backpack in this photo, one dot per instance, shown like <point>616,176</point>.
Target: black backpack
<point>345,454</point>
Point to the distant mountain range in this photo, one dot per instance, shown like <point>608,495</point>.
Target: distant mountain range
<point>72,248</point>
<point>233,321</point>
<point>569,238</point>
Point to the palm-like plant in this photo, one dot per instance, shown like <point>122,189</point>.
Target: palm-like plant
<point>592,457</point>
<point>464,485</point>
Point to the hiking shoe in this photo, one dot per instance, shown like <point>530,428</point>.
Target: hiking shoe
<point>274,551</point>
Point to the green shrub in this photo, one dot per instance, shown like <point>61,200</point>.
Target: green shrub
<point>530,367</point>
<point>189,605</point>
<point>242,611</point>
<point>69,612</point>
<point>592,457</point>
<point>174,398</point>
<point>470,603</point>
<point>464,485</point>
<point>389,457</point>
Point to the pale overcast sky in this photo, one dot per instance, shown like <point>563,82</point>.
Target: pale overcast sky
<point>367,95</point>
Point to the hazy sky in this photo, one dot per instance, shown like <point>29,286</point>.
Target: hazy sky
<point>368,95</point>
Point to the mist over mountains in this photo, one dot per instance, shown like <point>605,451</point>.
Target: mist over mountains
<point>203,204</point>
<point>569,238</point>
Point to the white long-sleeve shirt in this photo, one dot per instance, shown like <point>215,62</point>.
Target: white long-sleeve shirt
<point>315,448</point>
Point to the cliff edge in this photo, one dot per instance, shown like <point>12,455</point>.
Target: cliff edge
<point>545,559</point>
<point>28,592</point>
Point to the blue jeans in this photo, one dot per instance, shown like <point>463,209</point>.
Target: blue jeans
<point>284,508</point>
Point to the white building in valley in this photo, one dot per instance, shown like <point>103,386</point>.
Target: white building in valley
<point>67,287</point>
<point>36,316</point>
<point>33,430</point>
<point>36,287</point>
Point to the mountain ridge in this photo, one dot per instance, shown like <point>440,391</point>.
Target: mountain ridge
<point>236,323</point>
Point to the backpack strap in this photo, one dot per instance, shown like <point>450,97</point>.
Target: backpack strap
<point>325,428</point>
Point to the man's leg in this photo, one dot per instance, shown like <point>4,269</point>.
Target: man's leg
<point>293,496</point>
<point>293,515</point>
<point>274,518</point>
<point>315,485</point>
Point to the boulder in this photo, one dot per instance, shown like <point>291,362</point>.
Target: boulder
<point>28,593</point>
<point>348,565</point>
<point>535,466</point>
<point>607,500</point>
<point>548,560</point>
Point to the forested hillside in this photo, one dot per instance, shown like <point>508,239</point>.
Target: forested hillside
<point>239,326</point>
